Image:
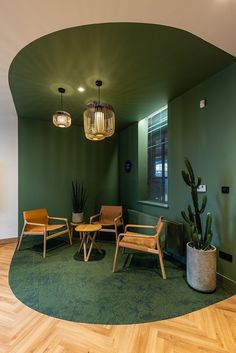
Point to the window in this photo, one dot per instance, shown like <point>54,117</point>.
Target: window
<point>158,156</point>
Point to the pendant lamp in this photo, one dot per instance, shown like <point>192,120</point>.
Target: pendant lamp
<point>61,118</point>
<point>99,119</point>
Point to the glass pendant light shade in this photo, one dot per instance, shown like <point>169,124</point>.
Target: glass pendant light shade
<point>94,137</point>
<point>99,120</point>
<point>61,118</point>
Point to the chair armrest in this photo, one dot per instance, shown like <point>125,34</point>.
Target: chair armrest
<point>58,218</point>
<point>117,219</point>
<point>36,224</point>
<point>93,217</point>
<point>138,226</point>
<point>121,235</point>
<point>138,235</point>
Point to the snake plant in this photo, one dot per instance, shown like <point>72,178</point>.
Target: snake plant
<point>78,196</point>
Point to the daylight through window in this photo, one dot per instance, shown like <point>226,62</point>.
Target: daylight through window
<point>158,156</point>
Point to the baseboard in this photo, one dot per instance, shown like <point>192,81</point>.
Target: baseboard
<point>227,283</point>
<point>8,240</point>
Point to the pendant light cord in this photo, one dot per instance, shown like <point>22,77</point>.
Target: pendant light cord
<point>61,90</point>
<point>99,95</point>
<point>98,84</point>
<point>61,102</point>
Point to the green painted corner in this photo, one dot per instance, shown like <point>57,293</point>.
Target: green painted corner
<point>207,137</point>
<point>50,158</point>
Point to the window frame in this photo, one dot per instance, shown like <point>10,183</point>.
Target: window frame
<point>144,162</point>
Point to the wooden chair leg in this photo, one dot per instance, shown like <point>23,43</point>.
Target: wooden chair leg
<point>115,258</point>
<point>160,254</point>
<point>163,271</point>
<point>44,244</point>
<point>70,232</point>
<point>116,233</point>
<point>128,260</point>
<point>21,237</point>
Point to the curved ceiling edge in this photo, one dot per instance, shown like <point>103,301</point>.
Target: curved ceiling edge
<point>142,66</point>
<point>26,25</point>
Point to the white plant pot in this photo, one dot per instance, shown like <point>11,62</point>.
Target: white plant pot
<point>77,217</point>
<point>201,268</point>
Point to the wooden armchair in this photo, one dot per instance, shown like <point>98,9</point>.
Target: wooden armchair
<point>36,222</point>
<point>110,218</point>
<point>142,242</point>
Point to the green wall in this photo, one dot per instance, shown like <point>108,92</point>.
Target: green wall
<point>208,137</point>
<point>128,150</point>
<point>50,158</point>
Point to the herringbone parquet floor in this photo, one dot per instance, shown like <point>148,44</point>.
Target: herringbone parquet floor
<point>22,330</point>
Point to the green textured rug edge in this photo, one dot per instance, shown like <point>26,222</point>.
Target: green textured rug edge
<point>91,293</point>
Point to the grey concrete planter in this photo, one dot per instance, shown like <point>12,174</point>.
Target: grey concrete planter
<point>201,268</point>
<point>77,217</point>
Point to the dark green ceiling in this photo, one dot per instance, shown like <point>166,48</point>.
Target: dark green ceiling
<point>142,67</point>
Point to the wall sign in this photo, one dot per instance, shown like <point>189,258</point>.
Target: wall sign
<point>127,166</point>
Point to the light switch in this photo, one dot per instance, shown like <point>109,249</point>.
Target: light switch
<point>202,188</point>
<point>202,103</point>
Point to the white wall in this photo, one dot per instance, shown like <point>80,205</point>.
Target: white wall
<point>22,21</point>
<point>8,176</point>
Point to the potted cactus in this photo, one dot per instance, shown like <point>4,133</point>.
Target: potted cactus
<point>201,254</point>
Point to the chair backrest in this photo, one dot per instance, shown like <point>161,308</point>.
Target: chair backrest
<point>108,213</point>
<point>36,216</point>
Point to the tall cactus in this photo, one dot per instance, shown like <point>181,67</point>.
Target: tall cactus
<point>200,239</point>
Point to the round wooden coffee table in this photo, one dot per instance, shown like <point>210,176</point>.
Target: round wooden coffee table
<point>88,238</point>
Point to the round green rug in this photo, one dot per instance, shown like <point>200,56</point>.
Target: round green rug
<point>63,286</point>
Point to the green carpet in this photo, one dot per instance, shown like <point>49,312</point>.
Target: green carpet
<point>64,286</point>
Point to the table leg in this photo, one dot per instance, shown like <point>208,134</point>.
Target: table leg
<point>85,237</point>
<point>91,245</point>
<point>82,241</point>
<point>94,243</point>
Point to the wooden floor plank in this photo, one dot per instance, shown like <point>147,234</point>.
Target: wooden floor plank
<point>23,330</point>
